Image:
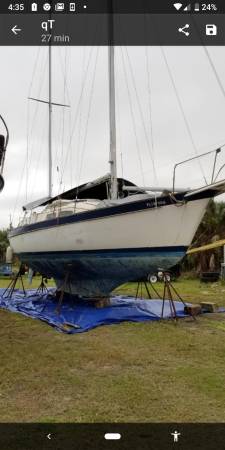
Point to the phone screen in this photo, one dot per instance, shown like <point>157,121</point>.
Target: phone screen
<point>111,225</point>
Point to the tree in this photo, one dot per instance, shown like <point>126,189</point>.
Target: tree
<point>211,229</point>
<point>4,242</point>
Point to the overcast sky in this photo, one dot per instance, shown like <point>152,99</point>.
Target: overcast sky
<point>155,88</point>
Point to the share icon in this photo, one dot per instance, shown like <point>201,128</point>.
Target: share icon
<point>184,30</point>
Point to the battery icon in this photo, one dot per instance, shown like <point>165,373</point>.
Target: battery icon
<point>197,7</point>
<point>34,7</point>
<point>72,7</point>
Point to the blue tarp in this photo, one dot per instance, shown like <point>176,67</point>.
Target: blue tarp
<point>80,316</point>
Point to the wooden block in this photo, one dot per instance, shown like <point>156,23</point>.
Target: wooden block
<point>209,307</point>
<point>102,303</point>
<point>193,310</point>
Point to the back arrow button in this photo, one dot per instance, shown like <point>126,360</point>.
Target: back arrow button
<point>16,30</point>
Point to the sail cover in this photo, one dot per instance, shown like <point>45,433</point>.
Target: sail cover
<point>96,189</point>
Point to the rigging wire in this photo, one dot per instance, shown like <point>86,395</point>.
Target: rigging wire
<point>26,165</point>
<point>141,114</point>
<point>132,115</point>
<point>79,146</point>
<point>28,120</point>
<point>43,66</point>
<point>41,80</point>
<point>148,65</point>
<point>78,108</point>
<point>19,190</point>
<point>209,58</point>
<point>67,70</point>
<point>221,87</point>
<point>182,110</point>
<point>34,70</point>
<point>57,116</point>
<point>219,81</point>
<point>59,139</point>
<point>214,70</point>
<point>70,150</point>
<point>40,153</point>
<point>69,144</point>
<point>64,67</point>
<point>88,114</point>
<point>64,99</point>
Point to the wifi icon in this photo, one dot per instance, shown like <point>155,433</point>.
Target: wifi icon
<point>178,6</point>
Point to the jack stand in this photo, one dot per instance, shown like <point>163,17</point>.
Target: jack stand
<point>168,292</point>
<point>144,282</point>
<point>12,285</point>
<point>42,289</point>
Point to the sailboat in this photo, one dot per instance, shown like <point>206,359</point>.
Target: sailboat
<point>3,146</point>
<point>107,232</point>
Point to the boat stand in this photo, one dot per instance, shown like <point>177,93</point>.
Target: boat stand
<point>168,295</point>
<point>42,288</point>
<point>148,285</point>
<point>12,285</point>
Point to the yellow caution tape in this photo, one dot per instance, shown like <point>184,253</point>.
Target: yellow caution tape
<point>204,248</point>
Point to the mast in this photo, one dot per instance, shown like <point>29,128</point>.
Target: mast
<point>50,122</point>
<point>50,104</point>
<point>112,107</point>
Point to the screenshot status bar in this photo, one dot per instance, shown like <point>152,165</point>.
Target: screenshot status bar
<point>115,6</point>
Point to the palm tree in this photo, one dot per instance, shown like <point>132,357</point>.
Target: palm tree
<point>211,229</point>
<point>3,244</point>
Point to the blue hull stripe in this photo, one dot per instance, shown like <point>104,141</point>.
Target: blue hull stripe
<point>121,252</point>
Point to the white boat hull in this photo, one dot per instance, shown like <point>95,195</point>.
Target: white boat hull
<point>98,254</point>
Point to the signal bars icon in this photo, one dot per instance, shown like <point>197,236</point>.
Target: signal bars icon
<point>178,6</point>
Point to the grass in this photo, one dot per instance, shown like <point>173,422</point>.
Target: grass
<point>190,290</point>
<point>145,372</point>
<point>36,281</point>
